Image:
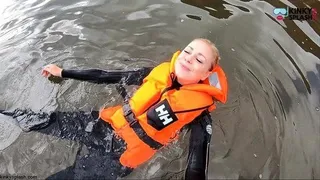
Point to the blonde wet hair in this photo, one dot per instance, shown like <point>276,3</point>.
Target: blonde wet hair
<point>214,50</point>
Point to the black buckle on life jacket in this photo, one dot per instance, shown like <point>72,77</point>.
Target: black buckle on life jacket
<point>137,128</point>
<point>126,109</point>
<point>128,114</point>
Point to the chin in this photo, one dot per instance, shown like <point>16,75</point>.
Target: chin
<point>181,75</point>
<point>183,78</point>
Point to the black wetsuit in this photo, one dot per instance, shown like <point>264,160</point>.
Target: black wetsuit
<point>102,161</point>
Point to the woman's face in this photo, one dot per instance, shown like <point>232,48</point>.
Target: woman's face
<point>194,62</point>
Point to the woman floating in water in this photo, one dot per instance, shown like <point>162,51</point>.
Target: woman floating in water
<point>171,96</point>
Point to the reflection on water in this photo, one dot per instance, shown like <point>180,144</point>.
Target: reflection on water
<point>268,129</point>
<point>216,9</point>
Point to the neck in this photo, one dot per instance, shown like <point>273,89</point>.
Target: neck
<point>182,81</point>
<point>186,82</point>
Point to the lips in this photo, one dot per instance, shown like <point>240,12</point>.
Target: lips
<point>184,67</point>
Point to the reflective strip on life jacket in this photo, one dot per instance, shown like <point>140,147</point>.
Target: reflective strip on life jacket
<point>214,80</point>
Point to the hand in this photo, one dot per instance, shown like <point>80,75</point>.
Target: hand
<point>51,69</point>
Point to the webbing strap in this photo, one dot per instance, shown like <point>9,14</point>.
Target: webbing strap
<point>135,125</point>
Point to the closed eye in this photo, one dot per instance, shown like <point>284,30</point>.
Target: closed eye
<point>199,61</point>
<point>186,51</point>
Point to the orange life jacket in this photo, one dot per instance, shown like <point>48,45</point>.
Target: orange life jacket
<point>156,112</point>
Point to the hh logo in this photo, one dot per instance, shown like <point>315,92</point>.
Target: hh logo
<point>164,115</point>
<point>161,115</point>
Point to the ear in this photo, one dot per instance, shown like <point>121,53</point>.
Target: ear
<point>206,75</point>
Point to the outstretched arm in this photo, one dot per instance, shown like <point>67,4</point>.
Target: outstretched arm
<point>130,77</point>
<point>199,147</point>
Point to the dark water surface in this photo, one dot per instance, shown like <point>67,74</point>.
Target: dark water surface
<point>269,129</point>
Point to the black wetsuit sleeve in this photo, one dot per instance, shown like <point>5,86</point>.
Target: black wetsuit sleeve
<point>199,146</point>
<point>130,77</point>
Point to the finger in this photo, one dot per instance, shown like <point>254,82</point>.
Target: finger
<point>47,66</point>
<point>47,69</point>
<point>43,69</point>
<point>43,72</point>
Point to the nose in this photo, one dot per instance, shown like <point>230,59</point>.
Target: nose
<point>188,59</point>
